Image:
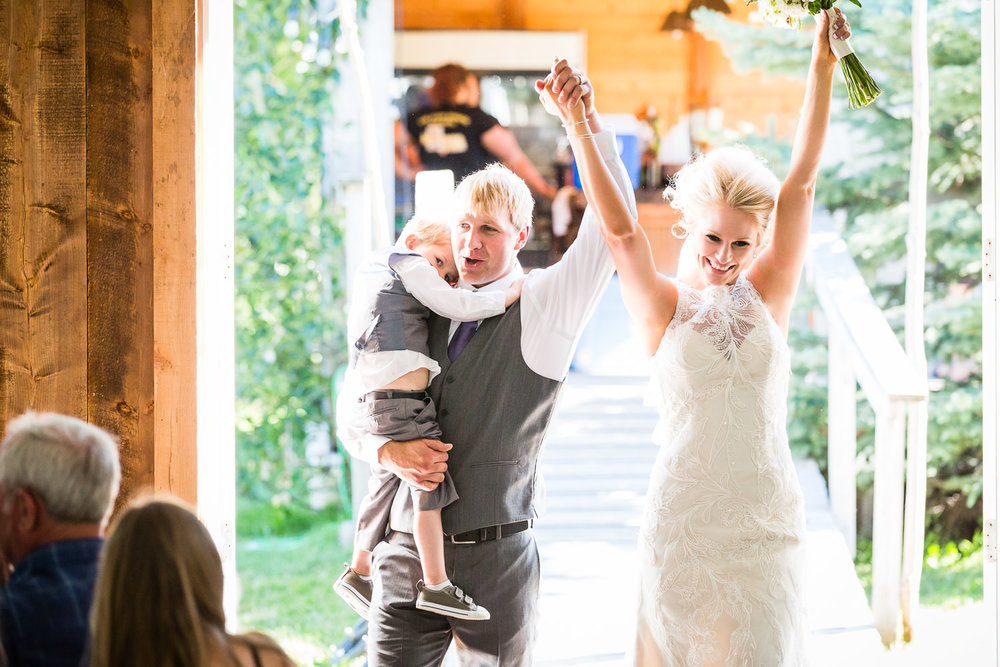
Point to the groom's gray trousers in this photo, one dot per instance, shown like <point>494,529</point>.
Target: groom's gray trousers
<point>494,410</point>
<point>506,573</point>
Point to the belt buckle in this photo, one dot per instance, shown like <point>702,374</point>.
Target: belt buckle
<point>454,541</point>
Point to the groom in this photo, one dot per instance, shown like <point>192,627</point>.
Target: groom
<point>495,396</point>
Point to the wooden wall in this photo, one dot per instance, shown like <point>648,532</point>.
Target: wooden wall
<point>631,62</point>
<point>97,157</point>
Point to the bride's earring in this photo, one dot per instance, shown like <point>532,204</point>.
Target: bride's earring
<point>679,232</point>
<point>755,254</point>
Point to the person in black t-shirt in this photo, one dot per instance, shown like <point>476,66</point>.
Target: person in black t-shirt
<point>454,133</point>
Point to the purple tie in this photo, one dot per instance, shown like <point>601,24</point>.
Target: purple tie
<point>463,334</point>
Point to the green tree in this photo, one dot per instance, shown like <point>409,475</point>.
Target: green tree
<point>289,303</point>
<point>872,189</point>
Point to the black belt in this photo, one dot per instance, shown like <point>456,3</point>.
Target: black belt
<point>395,393</point>
<point>490,533</point>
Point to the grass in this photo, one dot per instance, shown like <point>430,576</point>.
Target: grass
<point>952,575</point>
<point>286,591</point>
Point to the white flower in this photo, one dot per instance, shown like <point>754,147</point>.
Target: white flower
<point>783,13</point>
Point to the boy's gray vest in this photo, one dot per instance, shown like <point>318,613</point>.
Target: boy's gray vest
<point>396,320</point>
<point>495,411</point>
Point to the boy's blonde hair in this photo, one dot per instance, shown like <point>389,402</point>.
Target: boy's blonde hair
<point>493,189</point>
<point>730,175</point>
<point>427,231</point>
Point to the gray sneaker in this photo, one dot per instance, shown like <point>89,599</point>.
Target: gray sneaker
<point>450,601</point>
<point>357,592</point>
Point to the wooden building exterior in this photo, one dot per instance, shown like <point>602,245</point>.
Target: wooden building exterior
<point>102,260</point>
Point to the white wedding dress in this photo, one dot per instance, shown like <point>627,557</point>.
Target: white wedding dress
<point>723,522</point>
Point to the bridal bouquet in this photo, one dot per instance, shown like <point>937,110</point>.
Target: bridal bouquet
<point>861,88</point>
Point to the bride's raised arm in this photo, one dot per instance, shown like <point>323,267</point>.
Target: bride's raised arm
<point>776,271</point>
<point>649,296</point>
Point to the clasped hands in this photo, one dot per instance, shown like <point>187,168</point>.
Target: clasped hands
<point>563,88</point>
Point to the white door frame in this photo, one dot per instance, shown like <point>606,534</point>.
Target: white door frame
<point>216,388</point>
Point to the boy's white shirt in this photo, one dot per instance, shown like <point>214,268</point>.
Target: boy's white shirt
<point>556,303</point>
<point>422,281</point>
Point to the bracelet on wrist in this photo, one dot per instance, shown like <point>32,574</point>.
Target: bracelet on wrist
<point>579,122</point>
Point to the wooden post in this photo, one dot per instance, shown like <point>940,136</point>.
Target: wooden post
<point>175,161</point>
<point>842,448</point>
<point>887,522</point>
<point>99,239</point>
<point>119,228</point>
<point>43,208</point>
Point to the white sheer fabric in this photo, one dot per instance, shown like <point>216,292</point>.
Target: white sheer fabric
<point>719,541</point>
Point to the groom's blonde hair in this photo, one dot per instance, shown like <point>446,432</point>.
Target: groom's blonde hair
<point>493,189</point>
<point>731,175</point>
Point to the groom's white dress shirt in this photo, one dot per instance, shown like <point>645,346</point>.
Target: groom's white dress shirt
<point>556,303</point>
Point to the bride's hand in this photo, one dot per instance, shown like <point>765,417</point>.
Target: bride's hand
<point>564,88</point>
<point>841,30</point>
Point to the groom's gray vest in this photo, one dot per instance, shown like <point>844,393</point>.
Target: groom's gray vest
<point>495,411</point>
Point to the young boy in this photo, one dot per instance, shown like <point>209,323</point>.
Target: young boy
<point>394,293</point>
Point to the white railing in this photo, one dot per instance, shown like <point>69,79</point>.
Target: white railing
<point>864,350</point>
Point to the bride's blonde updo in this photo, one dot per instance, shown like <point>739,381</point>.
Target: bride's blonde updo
<point>730,175</point>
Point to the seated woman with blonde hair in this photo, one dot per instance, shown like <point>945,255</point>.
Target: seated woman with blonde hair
<point>158,598</point>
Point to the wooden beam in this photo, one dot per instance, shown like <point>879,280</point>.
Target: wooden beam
<point>119,232</point>
<point>174,303</point>
<point>99,176</point>
<point>42,211</point>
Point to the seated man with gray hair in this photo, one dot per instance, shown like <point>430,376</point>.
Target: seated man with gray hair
<point>59,477</point>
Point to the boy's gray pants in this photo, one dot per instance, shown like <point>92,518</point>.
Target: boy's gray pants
<point>397,415</point>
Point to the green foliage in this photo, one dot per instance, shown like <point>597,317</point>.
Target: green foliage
<point>807,394</point>
<point>289,304</point>
<point>264,519</point>
<point>952,574</point>
<point>872,189</point>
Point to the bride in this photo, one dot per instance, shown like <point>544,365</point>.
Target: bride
<point>720,582</point>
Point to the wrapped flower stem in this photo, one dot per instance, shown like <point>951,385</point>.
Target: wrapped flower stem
<point>861,87</point>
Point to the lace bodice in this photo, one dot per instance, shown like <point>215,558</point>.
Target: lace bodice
<point>721,338</point>
<point>724,514</point>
